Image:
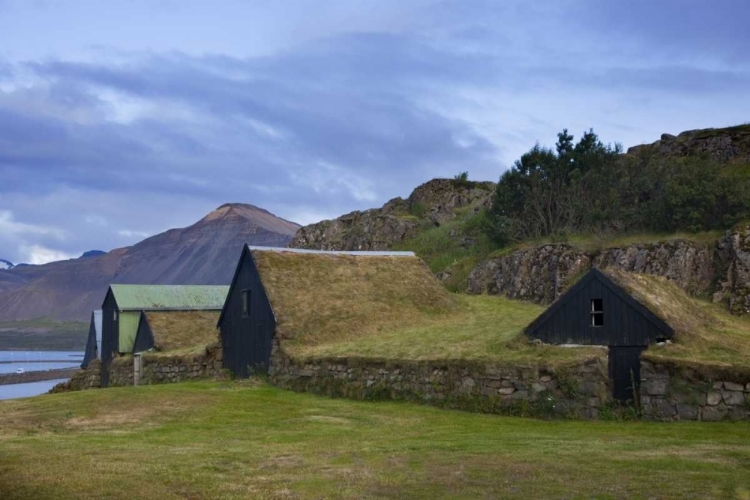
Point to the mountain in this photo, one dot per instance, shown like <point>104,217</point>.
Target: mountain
<point>92,253</point>
<point>4,264</point>
<point>202,254</point>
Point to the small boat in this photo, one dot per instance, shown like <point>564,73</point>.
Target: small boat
<point>20,370</point>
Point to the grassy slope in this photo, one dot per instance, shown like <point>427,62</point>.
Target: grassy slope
<point>484,328</point>
<point>43,334</point>
<point>229,440</point>
<point>443,252</point>
<point>319,299</point>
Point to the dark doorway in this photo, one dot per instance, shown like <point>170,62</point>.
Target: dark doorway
<point>625,372</point>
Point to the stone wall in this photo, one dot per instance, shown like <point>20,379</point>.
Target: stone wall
<point>162,369</point>
<point>88,378</point>
<point>156,368</point>
<point>668,393</point>
<point>577,391</point>
<point>580,391</point>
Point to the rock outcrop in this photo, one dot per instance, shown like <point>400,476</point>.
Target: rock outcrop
<point>537,274</point>
<point>734,255</point>
<point>723,145</point>
<point>688,264</point>
<point>432,203</point>
<point>541,274</point>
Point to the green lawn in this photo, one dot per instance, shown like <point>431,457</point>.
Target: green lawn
<point>236,440</point>
<point>486,328</point>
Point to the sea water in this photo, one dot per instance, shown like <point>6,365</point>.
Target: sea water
<point>11,361</point>
<point>13,391</point>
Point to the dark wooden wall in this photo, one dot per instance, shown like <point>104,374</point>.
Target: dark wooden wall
<point>144,338</point>
<point>625,323</point>
<point>625,372</point>
<point>110,334</point>
<point>246,341</point>
<point>90,353</point>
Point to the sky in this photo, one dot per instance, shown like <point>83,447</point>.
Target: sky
<point>121,119</point>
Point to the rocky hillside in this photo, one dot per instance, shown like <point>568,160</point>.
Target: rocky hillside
<point>204,253</point>
<point>429,205</point>
<point>718,269</point>
<point>442,220</point>
<point>730,144</point>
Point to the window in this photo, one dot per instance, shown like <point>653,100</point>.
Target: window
<point>114,315</point>
<point>597,312</point>
<point>245,303</point>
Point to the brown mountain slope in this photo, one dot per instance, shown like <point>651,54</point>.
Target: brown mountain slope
<point>202,254</point>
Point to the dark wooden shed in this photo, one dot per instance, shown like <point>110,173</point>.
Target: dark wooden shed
<point>91,352</point>
<point>247,322</point>
<point>298,296</point>
<point>599,311</point>
<point>124,305</point>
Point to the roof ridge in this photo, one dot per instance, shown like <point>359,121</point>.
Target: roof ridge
<point>363,253</point>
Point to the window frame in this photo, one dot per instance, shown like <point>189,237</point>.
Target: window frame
<point>596,314</point>
<point>245,301</point>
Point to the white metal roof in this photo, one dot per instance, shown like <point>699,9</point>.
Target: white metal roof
<point>333,252</point>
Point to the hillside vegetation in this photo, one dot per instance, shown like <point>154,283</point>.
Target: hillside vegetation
<point>591,187</point>
<point>691,187</point>
<point>238,440</point>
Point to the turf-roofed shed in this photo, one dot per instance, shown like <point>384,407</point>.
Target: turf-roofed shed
<point>124,304</point>
<point>306,298</point>
<point>626,312</point>
<point>94,340</point>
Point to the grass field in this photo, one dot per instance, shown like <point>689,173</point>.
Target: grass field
<point>43,335</point>
<point>238,440</point>
<point>486,328</point>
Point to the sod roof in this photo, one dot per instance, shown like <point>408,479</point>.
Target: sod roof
<point>320,297</point>
<point>707,338</point>
<point>180,330</point>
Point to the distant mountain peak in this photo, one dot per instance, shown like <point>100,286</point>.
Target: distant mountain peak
<point>5,264</point>
<point>256,215</point>
<point>92,253</point>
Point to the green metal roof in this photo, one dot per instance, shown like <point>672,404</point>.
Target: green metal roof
<point>150,297</point>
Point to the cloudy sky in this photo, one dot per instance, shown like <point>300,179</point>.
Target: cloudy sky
<point>123,118</point>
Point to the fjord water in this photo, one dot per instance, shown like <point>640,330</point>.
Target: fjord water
<point>13,391</point>
<point>10,361</point>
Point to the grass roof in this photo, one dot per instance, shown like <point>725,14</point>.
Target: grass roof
<point>707,337</point>
<point>322,298</point>
<point>482,328</point>
<point>183,330</point>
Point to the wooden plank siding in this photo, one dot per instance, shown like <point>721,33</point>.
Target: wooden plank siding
<point>246,339</point>
<point>110,334</point>
<point>144,338</point>
<point>626,322</point>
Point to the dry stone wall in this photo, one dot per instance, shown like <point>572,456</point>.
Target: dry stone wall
<point>87,378</point>
<point>577,391</point>
<point>580,391</point>
<point>671,394</point>
<point>156,368</point>
<point>162,369</point>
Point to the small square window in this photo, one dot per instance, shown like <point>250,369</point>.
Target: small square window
<point>245,303</point>
<point>597,312</point>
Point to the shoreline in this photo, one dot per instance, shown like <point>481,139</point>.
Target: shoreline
<point>39,376</point>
